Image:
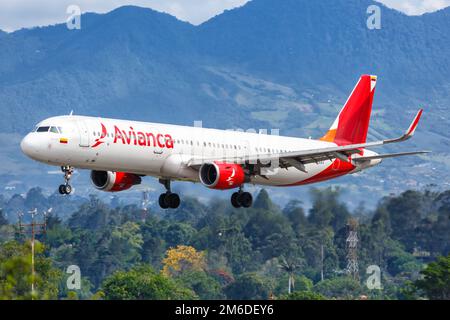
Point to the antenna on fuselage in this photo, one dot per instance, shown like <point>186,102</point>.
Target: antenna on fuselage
<point>71,113</point>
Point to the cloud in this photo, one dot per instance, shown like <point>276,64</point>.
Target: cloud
<point>16,14</point>
<point>416,7</point>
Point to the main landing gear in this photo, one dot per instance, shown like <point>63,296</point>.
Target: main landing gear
<point>66,188</point>
<point>242,199</point>
<point>168,199</point>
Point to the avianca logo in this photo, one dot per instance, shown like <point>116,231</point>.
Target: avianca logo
<point>99,141</point>
<point>230,179</point>
<point>139,138</point>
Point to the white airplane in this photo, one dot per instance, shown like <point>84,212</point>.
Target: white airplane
<point>120,152</point>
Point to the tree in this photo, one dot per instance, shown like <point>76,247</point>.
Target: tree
<point>93,215</point>
<point>436,279</point>
<point>248,286</point>
<point>405,214</point>
<point>3,220</point>
<point>154,246</point>
<point>339,288</point>
<point>7,231</point>
<point>205,286</point>
<point>191,211</point>
<point>440,235</point>
<point>327,210</point>
<point>126,243</point>
<point>183,258</point>
<point>296,216</point>
<point>290,267</point>
<point>16,277</point>
<point>270,233</point>
<point>303,295</point>
<point>398,260</point>
<point>178,233</point>
<point>143,283</point>
<point>264,202</point>
<point>303,283</point>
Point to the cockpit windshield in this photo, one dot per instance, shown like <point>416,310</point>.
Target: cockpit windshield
<point>49,129</point>
<point>42,129</point>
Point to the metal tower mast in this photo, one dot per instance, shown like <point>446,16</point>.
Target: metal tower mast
<point>352,249</point>
<point>34,228</point>
<point>144,205</point>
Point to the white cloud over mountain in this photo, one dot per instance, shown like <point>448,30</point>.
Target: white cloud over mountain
<point>16,14</point>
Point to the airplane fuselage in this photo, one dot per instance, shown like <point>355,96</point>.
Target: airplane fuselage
<point>162,150</point>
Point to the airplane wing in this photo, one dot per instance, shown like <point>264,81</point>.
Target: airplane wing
<point>298,159</point>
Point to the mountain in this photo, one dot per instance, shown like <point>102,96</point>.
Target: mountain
<point>306,42</point>
<point>270,64</point>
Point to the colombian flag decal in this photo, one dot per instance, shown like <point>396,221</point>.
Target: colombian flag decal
<point>63,140</point>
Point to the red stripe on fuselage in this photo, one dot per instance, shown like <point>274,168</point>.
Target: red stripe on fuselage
<point>336,169</point>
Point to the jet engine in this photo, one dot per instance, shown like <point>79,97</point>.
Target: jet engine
<point>114,181</point>
<point>221,175</point>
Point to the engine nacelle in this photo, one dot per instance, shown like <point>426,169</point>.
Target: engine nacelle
<point>221,176</point>
<point>114,181</point>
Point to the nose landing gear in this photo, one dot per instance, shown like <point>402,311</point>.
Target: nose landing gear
<point>66,188</point>
<point>241,199</point>
<point>168,199</point>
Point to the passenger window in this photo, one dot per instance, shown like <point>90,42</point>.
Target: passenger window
<point>43,129</point>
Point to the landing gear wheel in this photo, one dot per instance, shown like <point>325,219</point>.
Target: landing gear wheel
<point>173,199</point>
<point>246,199</point>
<point>162,201</point>
<point>235,200</point>
<point>241,199</point>
<point>66,188</point>
<point>169,200</point>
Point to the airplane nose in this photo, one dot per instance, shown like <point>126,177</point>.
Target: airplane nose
<point>27,146</point>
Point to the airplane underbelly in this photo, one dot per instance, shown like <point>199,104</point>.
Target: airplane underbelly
<point>291,175</point>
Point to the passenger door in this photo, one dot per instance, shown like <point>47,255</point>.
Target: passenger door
<point>83,134</point>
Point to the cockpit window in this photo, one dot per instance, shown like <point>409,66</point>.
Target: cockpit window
<point>60,129</point>
<point>42,129</point>
<point>54,129</point>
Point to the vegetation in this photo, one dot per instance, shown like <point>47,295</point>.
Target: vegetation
<point>217,252</point>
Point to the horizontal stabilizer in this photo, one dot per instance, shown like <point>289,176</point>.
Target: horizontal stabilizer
<point>390,155</point>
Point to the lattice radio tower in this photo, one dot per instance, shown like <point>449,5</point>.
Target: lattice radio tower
<point>144,205</point>
<point>32,229</point>
<point>352,249</point>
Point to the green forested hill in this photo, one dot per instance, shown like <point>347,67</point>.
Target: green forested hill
<point>214,252</point>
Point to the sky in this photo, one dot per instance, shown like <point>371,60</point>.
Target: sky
<point>17,14</point>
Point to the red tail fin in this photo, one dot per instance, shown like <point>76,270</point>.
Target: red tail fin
<point>352,123</point>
